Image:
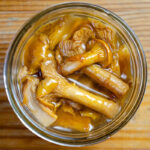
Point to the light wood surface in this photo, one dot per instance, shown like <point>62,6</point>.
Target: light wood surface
<point>13,135</point>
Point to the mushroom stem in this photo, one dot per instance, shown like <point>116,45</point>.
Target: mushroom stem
<point>74,63</point>
<point>106,79</point>
<point>71,91</point>
<point>97,103</point>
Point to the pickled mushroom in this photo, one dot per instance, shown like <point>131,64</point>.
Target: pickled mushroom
<point>75,73</point>
<point>73,92</point>
<point>36,48</point>
<point>44,115</point>
<point>74,63</point>
<point>106,79</point>
<point>62,29</point>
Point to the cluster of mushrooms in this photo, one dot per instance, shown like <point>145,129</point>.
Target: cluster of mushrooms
<point>61,51</point>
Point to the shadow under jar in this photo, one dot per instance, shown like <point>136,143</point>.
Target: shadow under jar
<point>131,101</point>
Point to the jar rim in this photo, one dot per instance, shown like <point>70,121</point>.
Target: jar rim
<point>7,71</point>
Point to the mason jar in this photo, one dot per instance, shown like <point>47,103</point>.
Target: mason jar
<point>133,99</point>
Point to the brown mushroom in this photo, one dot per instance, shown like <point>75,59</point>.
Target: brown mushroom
<point>43,114</point>
<point>77,94</point>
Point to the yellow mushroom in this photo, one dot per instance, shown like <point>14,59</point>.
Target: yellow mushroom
<point>46,86</point>
<point>107,79</point>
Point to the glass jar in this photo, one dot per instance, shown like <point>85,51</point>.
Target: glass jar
<point>13,63</point>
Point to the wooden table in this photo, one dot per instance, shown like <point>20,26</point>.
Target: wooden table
<point>13,135</point>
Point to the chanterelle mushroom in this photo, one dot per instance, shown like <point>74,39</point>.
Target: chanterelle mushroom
<point>104,32</point>
<point>106,79</point>
<point>72,64</point>
<point>99,53</point>
<point>75,93</point>
<point>43,114</point>
<point>77,45</point>
<point>76,72</point>
<point>70,48</point>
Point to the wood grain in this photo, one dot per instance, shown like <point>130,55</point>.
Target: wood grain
<point>13,135</point>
